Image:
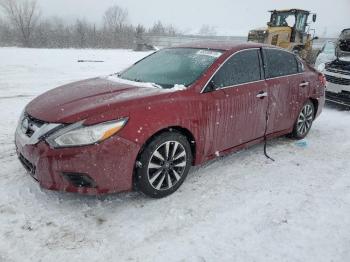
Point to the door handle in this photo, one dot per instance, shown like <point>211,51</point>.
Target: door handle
<point>261,95</point>
<point>304,84</point>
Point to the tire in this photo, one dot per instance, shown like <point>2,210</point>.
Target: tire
<point>304,121</point>
<point>160,171</point>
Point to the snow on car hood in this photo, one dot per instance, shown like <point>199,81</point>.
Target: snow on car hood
<point>77,101</point>
<point>117,79</point>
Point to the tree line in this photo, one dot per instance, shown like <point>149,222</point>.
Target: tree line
<point>21,24</point>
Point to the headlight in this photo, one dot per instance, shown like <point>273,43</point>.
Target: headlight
<point>321,67</point>
<point>80,135</point>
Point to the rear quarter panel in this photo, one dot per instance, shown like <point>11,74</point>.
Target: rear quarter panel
<point>316,90</point>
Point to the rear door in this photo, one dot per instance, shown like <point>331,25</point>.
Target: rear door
<point>241,104</point>
<point>282,78</point>
<point>302,82</point>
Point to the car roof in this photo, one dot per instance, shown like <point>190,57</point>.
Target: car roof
<point>221,45</point>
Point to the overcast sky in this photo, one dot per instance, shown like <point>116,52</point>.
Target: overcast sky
<point>228,16</point>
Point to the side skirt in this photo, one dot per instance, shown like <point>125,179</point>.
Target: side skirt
<point>247,145</point>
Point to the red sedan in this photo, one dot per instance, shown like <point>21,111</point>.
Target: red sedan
<point>145,127</point>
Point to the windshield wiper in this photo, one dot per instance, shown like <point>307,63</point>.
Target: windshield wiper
<point>156,85</point>
<point>153,84</point>
<point>140,81</point>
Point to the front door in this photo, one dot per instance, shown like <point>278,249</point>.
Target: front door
<point>239,101</point>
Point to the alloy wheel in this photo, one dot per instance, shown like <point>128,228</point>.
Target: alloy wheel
<point>167,165</point>
<point>305,119</point>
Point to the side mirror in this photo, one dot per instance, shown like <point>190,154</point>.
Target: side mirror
<point>315,38</point>
<point>314,18</point>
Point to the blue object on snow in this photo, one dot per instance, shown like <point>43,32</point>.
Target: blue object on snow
<point>301,143</point>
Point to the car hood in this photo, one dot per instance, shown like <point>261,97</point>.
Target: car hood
<point>81,100</point>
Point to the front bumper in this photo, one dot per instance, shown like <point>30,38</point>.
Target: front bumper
<point>338,86</point>
<point>109,165</point>
<point>342,98</point>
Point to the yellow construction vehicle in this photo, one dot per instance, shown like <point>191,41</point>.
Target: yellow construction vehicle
<point>288,29</point>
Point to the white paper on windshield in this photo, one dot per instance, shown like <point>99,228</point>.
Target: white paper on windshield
<point>209,53</point>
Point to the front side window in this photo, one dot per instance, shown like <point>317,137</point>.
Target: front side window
<point>279,63</point>
<point>174,66</point>
<point>243,67</point>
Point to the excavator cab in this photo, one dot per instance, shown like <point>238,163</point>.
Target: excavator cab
<point>287,29</point>
<point>294,19</point>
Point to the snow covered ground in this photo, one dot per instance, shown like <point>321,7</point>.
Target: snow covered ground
<point>239,208</point>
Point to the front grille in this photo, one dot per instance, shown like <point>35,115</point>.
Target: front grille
<point>27,165</point>
<point>334,70</point>
<point>338,80</point>
<point>79,180</point>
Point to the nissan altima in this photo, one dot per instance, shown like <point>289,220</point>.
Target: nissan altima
<point>143,128</point>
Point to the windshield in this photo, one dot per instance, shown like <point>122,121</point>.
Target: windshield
<point>329,48</point>
<point>345,33</point>
<point>282,19</point>
<point>170,67</point>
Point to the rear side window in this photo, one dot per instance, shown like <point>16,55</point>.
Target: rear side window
<point>243,67</point>
<point>280,63</point>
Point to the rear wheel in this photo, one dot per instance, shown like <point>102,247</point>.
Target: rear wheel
<point>304,122</point>
<point>163,165</point>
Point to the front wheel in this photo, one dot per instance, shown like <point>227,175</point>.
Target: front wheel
<point>163,165</point>
<point>304,122</point>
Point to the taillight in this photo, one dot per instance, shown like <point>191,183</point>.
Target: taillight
<point>322,79</point>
